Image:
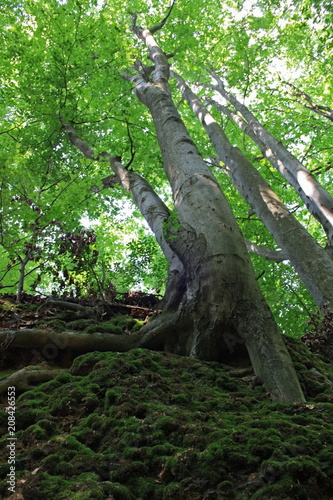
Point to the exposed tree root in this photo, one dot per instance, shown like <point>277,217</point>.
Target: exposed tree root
<point>73,341</point>
<point>82,311</point>
<point>30,376</point>
<point>160,332</point>
<point>92,312</point>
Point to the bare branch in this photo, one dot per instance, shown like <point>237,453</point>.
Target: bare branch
<point>266,253</point>
<point>131,145</point>
<point>324,111</point>
<point>162,23</point>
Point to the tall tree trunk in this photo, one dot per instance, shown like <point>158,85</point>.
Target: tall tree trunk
<point>221,299</point>
<point>312,262</point>
<point>213,305</point>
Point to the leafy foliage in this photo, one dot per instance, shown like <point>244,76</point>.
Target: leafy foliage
<point>65,60</point>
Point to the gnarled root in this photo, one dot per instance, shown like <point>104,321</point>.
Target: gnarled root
<point>30,376</point>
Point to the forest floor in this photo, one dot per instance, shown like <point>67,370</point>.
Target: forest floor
<point>150,425</point>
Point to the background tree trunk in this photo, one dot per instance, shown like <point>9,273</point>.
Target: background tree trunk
<point>20,286</point>
<point>315,197</point>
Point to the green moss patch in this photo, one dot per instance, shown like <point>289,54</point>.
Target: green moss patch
<point>158,426</point>
<point>118,324</point>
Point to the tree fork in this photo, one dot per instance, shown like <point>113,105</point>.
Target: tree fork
<point>218,272</point>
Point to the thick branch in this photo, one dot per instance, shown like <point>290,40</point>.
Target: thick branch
<point>147,200</point>
<point>78,143</point>
<point>162,23</point>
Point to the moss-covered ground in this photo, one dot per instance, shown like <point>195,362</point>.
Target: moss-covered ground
<point>157,426</point>
<point>151,426</point>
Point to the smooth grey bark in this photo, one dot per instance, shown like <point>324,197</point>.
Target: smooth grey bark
<point>221,299</point>
<point>265,253</point>
<point>311,262</point>
<point>20,286</point>
<point>315,197</point>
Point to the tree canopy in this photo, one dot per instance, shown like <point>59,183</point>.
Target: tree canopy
<point>72,63</point>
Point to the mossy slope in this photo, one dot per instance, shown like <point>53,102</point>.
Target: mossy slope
<point>157,426</point>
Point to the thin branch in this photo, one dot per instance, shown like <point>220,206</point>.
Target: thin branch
<point>25,275</point>
<point>131,147</point>
<point>324,111</point>
<point>161,24</point>
<point>266,253</point>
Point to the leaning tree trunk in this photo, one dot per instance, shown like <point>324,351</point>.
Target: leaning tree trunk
<point>151,207</point>
<point>315,197</point>
<point>221,305</point>
<point>311,262</point>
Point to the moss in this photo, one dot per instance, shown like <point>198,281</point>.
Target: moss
<point>127,471</point>
<point>62,378</point>
<point>54,324</point>
<point>120,492</point>
<point>81,324</point>
<point>84,487</point>
<point>38,432</point>
<point>6,374</point>
<point>152,425</point>
<point>117,325</point>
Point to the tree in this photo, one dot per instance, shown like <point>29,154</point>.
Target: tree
<point>33,230</point>
<point>212,295</point>
<point>86,63</point>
